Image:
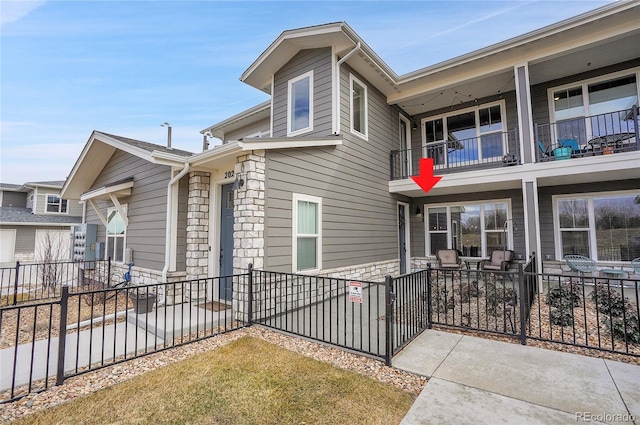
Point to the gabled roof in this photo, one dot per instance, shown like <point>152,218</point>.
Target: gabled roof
<point>99,149</point>
<point>8,187</point>
<point>484,72</point>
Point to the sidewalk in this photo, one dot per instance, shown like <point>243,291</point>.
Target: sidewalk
<point>481,381</point>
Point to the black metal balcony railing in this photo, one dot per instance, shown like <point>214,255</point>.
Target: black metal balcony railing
<point>458,155</point>
<point>601,134</point>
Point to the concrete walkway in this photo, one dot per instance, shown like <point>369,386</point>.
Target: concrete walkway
<point>480,381</point>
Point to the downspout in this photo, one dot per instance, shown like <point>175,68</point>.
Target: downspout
<point>336,101</point>
<point>167,243</point>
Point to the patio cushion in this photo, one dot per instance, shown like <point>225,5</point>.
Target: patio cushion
<point>499,260</point>
<point>448,258</point>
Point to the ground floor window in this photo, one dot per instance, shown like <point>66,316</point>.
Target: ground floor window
<point>475,229</point>
<point>604,227</point>
<point>116,232</point>
<point>307,233</point>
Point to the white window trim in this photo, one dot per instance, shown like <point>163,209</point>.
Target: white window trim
<point>108,249</point>
<point>476,110</point>
<point>362,135</point>
<point>46,204</point>
<point>291,82</point>
<point>483,231</point>
<point>592,225</point>
<point>294,232</point>
<point>584,85</point>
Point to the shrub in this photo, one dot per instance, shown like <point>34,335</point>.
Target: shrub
<point>469,290</point>
<point>608,301</point>
<point>497,297</point>
<point>564,296</point>
<point>629,331</point>
<point>561,316</point>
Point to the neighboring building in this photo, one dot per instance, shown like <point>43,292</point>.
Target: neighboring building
<point>317,180</point>
<point>35,222</point>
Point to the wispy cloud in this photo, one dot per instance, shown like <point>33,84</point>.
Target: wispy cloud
<point>15,10</point>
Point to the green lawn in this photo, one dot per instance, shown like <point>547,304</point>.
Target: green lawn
<point>249,381</point>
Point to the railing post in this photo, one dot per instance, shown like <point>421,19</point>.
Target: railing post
<point>109,272</point>
<point>15,284</point>
<point>636,124</point>
<point>523,298</point>
<point>250,294</point>
<point>389,299</point>
<point>62,334</point>
<point>429,320</point>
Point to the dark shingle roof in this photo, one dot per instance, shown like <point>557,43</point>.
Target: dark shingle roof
<point>24,215</point>
<point>10,187</point>
<point>150,147</point>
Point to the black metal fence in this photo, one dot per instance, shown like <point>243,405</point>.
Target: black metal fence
<point>44,343</point>
<point>42,281</point>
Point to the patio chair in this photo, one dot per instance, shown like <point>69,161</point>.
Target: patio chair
<point>499,260</point>
<point>580,263</point>
<point>449,259</point>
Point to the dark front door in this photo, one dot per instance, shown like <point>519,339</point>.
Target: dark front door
<point>402,239</point>
<point>226,243</point>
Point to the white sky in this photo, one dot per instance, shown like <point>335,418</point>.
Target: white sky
<point>70,67</point>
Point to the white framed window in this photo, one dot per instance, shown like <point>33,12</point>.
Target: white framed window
<point>467,136</point>
<point>358,103</point>
<point>55,204</point>
<point>116,235</point>
<point>307,233</point>
<point>595,107</point>
<point>475,228</point>
<point>601,226</point>
<point>300,104</point>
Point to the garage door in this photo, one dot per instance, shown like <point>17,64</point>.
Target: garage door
<point>52,245</point>
<point>7,246</point>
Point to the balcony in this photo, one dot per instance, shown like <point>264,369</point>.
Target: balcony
<point>603,134</point>
<point>487,151</point>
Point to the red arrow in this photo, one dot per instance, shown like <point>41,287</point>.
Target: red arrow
<point>426,180</point>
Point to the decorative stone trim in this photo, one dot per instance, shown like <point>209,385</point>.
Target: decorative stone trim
<point>197,251</point>
<point>371,272</point>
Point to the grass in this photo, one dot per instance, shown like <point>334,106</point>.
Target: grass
<point>249,381</point>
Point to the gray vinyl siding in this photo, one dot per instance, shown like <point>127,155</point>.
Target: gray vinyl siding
<point>146,206</point>
<point>14,199</point>
<point>540,102</point>
<point>262,126</point>
<point>545,206</point>
<point>74,207</point>
<point>418,242</point>
<point>359,220</point>
<point>181,249</point>
<point>318,60</point>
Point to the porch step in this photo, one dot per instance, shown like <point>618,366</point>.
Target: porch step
<point>175,321</point>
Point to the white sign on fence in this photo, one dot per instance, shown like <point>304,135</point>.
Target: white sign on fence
<point>355,292</point>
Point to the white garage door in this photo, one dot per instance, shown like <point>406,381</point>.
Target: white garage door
<point>52,245</point>
<point>7,246</point>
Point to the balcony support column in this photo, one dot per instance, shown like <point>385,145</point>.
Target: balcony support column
<point>531,220</point>
<point>525,118</point>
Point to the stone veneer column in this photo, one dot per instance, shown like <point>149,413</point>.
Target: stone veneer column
<point>197,252</point>
<point>249,214</point>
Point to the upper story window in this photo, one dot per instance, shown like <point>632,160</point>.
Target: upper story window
<point>358,107</point>
<point>307,233</point>
<point>300,104</point>
<point>466,137</point>
<point>56,205</point>
<point>595,107</point>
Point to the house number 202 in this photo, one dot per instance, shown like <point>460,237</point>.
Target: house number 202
<point>228,174</point>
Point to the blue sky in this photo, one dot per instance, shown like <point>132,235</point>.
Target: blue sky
<point>71,67</point>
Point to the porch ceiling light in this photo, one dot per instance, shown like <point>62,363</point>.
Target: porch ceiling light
<point>238,183</point>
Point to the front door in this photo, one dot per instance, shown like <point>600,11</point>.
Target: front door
<point>402,238</point>
<point>226,243</point>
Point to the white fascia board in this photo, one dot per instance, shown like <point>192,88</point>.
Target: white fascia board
<point>288,143</point>
<point>215,154</point>
<point>23,223</point>
<point>103,191</point>
<point>140,153</point>
<point>165,158</point>
<point>217,128</point>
